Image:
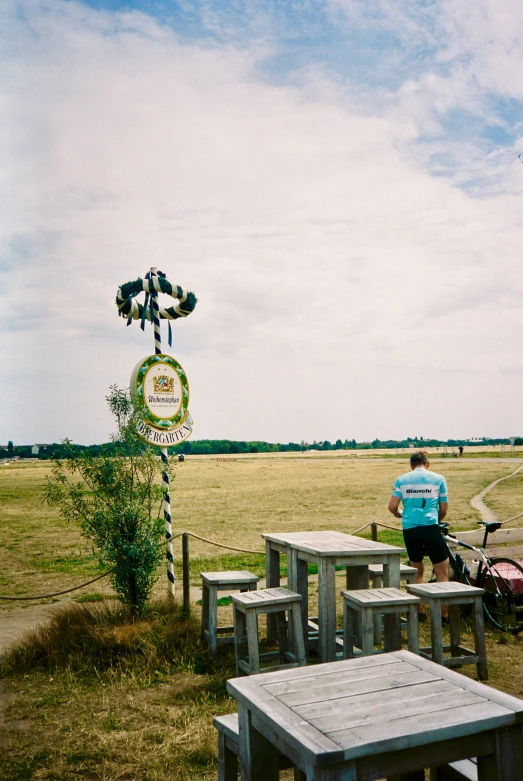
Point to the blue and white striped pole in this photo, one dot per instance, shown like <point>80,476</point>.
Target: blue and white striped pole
<point>165,459</point>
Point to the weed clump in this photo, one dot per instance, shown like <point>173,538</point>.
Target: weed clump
<point>93,638</point>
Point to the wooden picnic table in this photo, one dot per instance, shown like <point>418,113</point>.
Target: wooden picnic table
<point>328,549</point>
<point>375,717</point>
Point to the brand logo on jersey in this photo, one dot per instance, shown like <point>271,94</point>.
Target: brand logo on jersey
<point>412,491</point>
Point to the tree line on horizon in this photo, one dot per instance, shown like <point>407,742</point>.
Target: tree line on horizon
<point>237,447</point>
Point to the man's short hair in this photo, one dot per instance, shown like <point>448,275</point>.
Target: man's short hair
<point>419,458</point>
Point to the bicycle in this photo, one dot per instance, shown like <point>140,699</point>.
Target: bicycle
<point>501,579</point>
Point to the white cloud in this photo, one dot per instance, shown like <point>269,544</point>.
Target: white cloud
<point>344,291</point>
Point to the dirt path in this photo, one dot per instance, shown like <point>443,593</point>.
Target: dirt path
<point>14,622</point>
<point>477,502</point>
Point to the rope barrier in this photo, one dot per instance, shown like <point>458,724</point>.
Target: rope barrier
<point>220,545</point>
<point>512,519</point>
<point>385,526</point>
<point>59,593</point>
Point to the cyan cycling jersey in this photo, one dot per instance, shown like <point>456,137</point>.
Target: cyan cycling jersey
<point>421,492</point>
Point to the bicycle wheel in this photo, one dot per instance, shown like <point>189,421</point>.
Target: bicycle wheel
<point>503,597</point>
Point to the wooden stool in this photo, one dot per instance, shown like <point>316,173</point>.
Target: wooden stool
<point>247,608</point>
<point>376,581</point>
<point>454,594</point>
<point>376,574</point>
<point>365,605</point>
<point>212,582</point>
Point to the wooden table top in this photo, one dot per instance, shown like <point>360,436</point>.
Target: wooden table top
<point>340,711</point>
<point>331,543</point>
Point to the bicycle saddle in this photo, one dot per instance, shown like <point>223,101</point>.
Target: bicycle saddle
<point>493,526</point>
<point>444,527</point>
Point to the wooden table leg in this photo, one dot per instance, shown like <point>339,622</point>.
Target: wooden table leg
<point>392,622</point>
<point>213,619</point>
<point>367,632</point>
<point>356,578</point>
<point>479,639</point>
<point>251,621</point>
<point>454,630</point>
<point>302,587</point>
<point>413,629</point>
<point>327,610</point>
<point>436,632</point>
<point>258,757</point>
<point>391,571</point>
<point>506,763</point>
<point>272,577</point>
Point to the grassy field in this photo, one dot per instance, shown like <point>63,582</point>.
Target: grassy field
<point>232,501</point>
<point>149,717</point>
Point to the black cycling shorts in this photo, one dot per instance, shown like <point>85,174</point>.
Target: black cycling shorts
<point>421,541</point>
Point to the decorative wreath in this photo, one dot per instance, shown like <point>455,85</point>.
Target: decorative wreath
<point>153,283</point>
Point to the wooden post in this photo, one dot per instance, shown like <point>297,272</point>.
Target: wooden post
<point>186,574</point>
<point>374,532</point>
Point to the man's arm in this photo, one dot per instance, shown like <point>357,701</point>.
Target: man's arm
<point>443,510</point>
<point>394,504</point>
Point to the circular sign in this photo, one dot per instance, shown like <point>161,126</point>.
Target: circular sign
<point>160,386</point>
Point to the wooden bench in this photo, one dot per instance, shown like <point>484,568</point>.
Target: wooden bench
<point>247,607</point>
<point>464,770</point>
<point>229,750</point>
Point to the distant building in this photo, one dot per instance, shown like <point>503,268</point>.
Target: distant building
<point>36,449</point>
<point>476,440</point>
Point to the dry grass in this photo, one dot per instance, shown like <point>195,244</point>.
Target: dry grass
<point>96,696</point>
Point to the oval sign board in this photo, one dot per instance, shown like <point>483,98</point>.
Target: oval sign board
<point>161,387</point>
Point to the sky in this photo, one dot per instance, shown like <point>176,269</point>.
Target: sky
<point>337,181</point>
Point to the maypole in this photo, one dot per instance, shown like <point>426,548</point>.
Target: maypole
<point>163,450</point>
<point>159,384</point>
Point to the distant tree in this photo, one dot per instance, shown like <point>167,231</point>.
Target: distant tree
<point>116,497</point>
<point>338,445</point>
<point>10,449</point>
<point>234,448</point>
<point>253,449</point>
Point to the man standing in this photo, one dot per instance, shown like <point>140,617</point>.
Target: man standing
<point>425,502</point>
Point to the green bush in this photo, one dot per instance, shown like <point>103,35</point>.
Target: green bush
<point>116,499</point>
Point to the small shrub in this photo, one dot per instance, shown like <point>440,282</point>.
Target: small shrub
<point>116,498</point>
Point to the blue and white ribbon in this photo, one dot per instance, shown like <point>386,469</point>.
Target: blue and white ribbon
<point>153,283</point>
